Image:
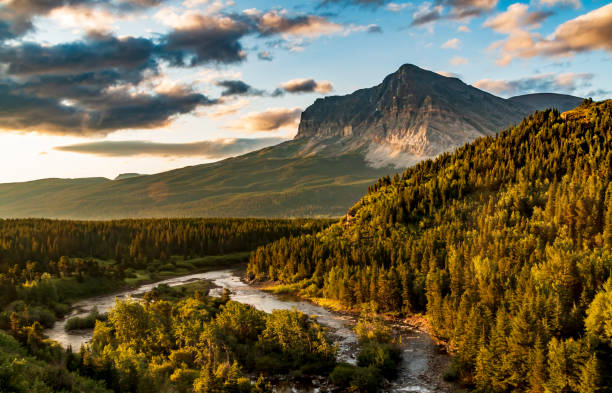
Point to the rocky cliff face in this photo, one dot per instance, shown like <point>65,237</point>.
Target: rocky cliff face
<point>412,115</point>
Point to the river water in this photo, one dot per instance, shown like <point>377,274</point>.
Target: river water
<point>421,365</point>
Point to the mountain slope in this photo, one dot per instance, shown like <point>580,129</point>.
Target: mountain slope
<point>343,145</point>
<point>505,244</point>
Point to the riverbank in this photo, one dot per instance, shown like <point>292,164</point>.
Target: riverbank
<point>422,365</point>
<point>424,358</point>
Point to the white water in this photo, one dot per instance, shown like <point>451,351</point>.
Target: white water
<point>418,347</point>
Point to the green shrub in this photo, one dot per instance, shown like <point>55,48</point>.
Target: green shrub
<point>342,375</point>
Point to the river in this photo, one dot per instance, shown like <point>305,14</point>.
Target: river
<point>421,367</point>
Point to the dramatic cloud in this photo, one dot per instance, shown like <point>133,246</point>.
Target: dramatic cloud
<point>428,13</point>
<point>238,88</point>
<point>91,115</point>
<point>214,149</point>
<point>310,26</point>
<point>562,83</point>
<point>199,39</point>
<point>16,16</point>
<point>102,83</point>
<point>451,44</point>
<point>269,120</point>
<point>94,54</point>
<point>588,32</point>
<point>308,85</point>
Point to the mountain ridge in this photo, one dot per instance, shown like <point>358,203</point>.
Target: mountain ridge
<point>309,176</point>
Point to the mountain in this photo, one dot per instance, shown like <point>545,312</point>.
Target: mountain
<point>505,245</point>
<point>412,115</point>
<point>542,101</point>
<point>344,143</point>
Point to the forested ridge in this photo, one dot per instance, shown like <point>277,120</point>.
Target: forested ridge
<point>505,245</point>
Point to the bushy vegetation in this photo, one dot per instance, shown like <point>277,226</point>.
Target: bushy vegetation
<point>506,245</point>
<point>22,373</point>
<point>173,341</point>
<point>86,322</point>
<point>378,359</point>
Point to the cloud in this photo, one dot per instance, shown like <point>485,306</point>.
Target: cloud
<point>16,16</point>
<point>585,33</point>
<point>98,20</point>
<point>269,120</point>
<point>463,29</point>
<point>94,54</point>
<point>374,29</point>
<point>311,26</point>
<point>397,7</point>
<point>214,149</point>
<point>562,3</point>
<point>42,111</point>
<point>199,39</point>
<point>238,88</point>
<point>265,56</point>
<point>426,14</point>
<point>451,44</point>
<point>359,3</point>
<point>226,109</point>
<point>307,85</point>
<point>457,60</point>
<point>516,18</point>
<point>561,83</point>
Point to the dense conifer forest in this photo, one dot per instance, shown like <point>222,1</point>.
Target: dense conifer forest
<point>505,245</point>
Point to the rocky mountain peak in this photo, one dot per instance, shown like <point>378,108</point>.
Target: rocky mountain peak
<point>414,114</point>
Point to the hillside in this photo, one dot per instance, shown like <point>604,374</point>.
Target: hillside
<point>542,101</point>
<point>343,145</point>
<point>505,245</point>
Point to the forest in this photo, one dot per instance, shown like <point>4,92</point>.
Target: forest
<point>504,245</point>
<point>46,265</point>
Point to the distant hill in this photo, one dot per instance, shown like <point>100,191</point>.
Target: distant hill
<point>127,176</point>
<point>343,145</point>
<point>542,101</point>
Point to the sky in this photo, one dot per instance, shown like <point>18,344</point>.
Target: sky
<point>96,88</point>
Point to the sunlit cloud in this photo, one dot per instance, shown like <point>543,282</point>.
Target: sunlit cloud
<point>588,32</point>
<point>269,120</point>
<point>561,83</point>
<point>214,149</point>
<point>453,43</point>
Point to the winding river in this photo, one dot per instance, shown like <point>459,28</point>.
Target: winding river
<point>421,367</point>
